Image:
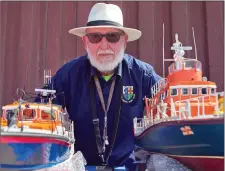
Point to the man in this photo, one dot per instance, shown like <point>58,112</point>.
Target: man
<point>103,91</point>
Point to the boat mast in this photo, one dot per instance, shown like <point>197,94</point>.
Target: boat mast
<point>163,54</point>
<point>48,93</point>
<point>196,57</point>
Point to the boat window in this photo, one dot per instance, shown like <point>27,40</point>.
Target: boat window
<point>194,91</point>
<point>212,90</point>
<point>171,69</point>
<point>178,65</point>
<point>3,114</point>
<point>189,64</point>
<point>48,114</point>
<point>184,91</point>
<point>10,113</point>
<point>62,117</point>
<point>199,66</point>
<point>29,114</point>
<point>204,90</point>
<point>173,92</point>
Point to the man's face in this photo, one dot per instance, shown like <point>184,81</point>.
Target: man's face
<point>105,54</point>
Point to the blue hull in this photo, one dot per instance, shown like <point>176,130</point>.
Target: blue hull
<point>29,155</point>
<point>167,138</point>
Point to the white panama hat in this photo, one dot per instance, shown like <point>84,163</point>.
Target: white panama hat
<point>106,15</point>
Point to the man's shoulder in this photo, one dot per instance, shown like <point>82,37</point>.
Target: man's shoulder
<point>74,64</point>
<point>137,64</point>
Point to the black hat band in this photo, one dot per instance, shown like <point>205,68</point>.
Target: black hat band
<point>103,22</point>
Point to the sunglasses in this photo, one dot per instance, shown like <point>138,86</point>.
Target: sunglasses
<point>111,37</point>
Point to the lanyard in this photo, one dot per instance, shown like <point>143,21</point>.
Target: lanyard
<point>100,145</point>
<point>98,86</point>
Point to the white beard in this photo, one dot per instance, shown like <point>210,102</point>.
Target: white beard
<point>106,65</point>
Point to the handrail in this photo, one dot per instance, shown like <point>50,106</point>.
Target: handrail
<point>140,124</point>
<point>158,86</point>
<point>202,104</point>
<point>32,126</point>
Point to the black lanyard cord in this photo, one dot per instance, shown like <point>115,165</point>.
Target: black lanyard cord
<point>100,144</point>
<point>98,86</point>
<point>116,118</point>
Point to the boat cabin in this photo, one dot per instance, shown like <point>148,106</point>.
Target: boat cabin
<point>184,81</point>
<point>34,115</point>
<point>185,70</point>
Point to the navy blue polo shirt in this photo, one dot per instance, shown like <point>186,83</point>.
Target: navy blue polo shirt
<point>73,79</point>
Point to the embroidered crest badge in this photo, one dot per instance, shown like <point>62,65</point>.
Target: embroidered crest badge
<point>128,94</point>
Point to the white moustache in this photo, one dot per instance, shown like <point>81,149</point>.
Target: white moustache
<point>105,52</point>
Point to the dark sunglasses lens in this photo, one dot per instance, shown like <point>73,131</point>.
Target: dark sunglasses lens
<point>113,37</point>
<point>94,37</point>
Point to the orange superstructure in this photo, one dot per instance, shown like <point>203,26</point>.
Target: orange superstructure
<point>184,88</point>
<point>38,132</point>
<point>35,115</point>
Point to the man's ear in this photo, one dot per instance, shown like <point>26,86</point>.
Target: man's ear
<point>126,37</point>
<point>125,41</point>
<point>84,39</point>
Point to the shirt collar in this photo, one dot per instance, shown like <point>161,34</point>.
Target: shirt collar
<point>94,71</point>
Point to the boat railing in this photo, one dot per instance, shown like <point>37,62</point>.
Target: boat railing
<point>157,87</point>
<point>184,107</point>
<point>63,126</point>
<point>187,64</point>
<point>140,124</point>
<point>182,112</point>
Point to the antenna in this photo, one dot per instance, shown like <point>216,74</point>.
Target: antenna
<point>194,43</point>
<point>47,80</point>
<point>163,54</point>
<point>47,76</point>
<point>179,50</point>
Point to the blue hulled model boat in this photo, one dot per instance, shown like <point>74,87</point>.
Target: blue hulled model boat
<point>35,135</point>
<point>184,117</point>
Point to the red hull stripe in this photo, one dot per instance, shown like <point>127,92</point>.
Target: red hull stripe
<point>16,139</point>
<point>206,164</point>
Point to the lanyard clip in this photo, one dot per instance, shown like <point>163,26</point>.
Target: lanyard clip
<point>106,142</point>
<point>102,157</point>
<point>95,121</point>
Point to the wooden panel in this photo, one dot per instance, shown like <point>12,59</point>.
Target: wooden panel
<point>215,40</point>
<point>54,26</point>
<point>152,16</point>
<point>130,10</point>
<point>11,61</point>
<point>83,9</point>
<point>4,8</point>
<point>26,63</point>
<point>34,37</point>
<point>41,44</point>
<point>69,42</point>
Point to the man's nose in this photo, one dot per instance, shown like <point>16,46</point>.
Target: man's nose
<point>104,43</point>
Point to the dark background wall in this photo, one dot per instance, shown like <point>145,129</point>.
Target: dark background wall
<point>34,37</point>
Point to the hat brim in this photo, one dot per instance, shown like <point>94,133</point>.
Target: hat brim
<point>133,34</point>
